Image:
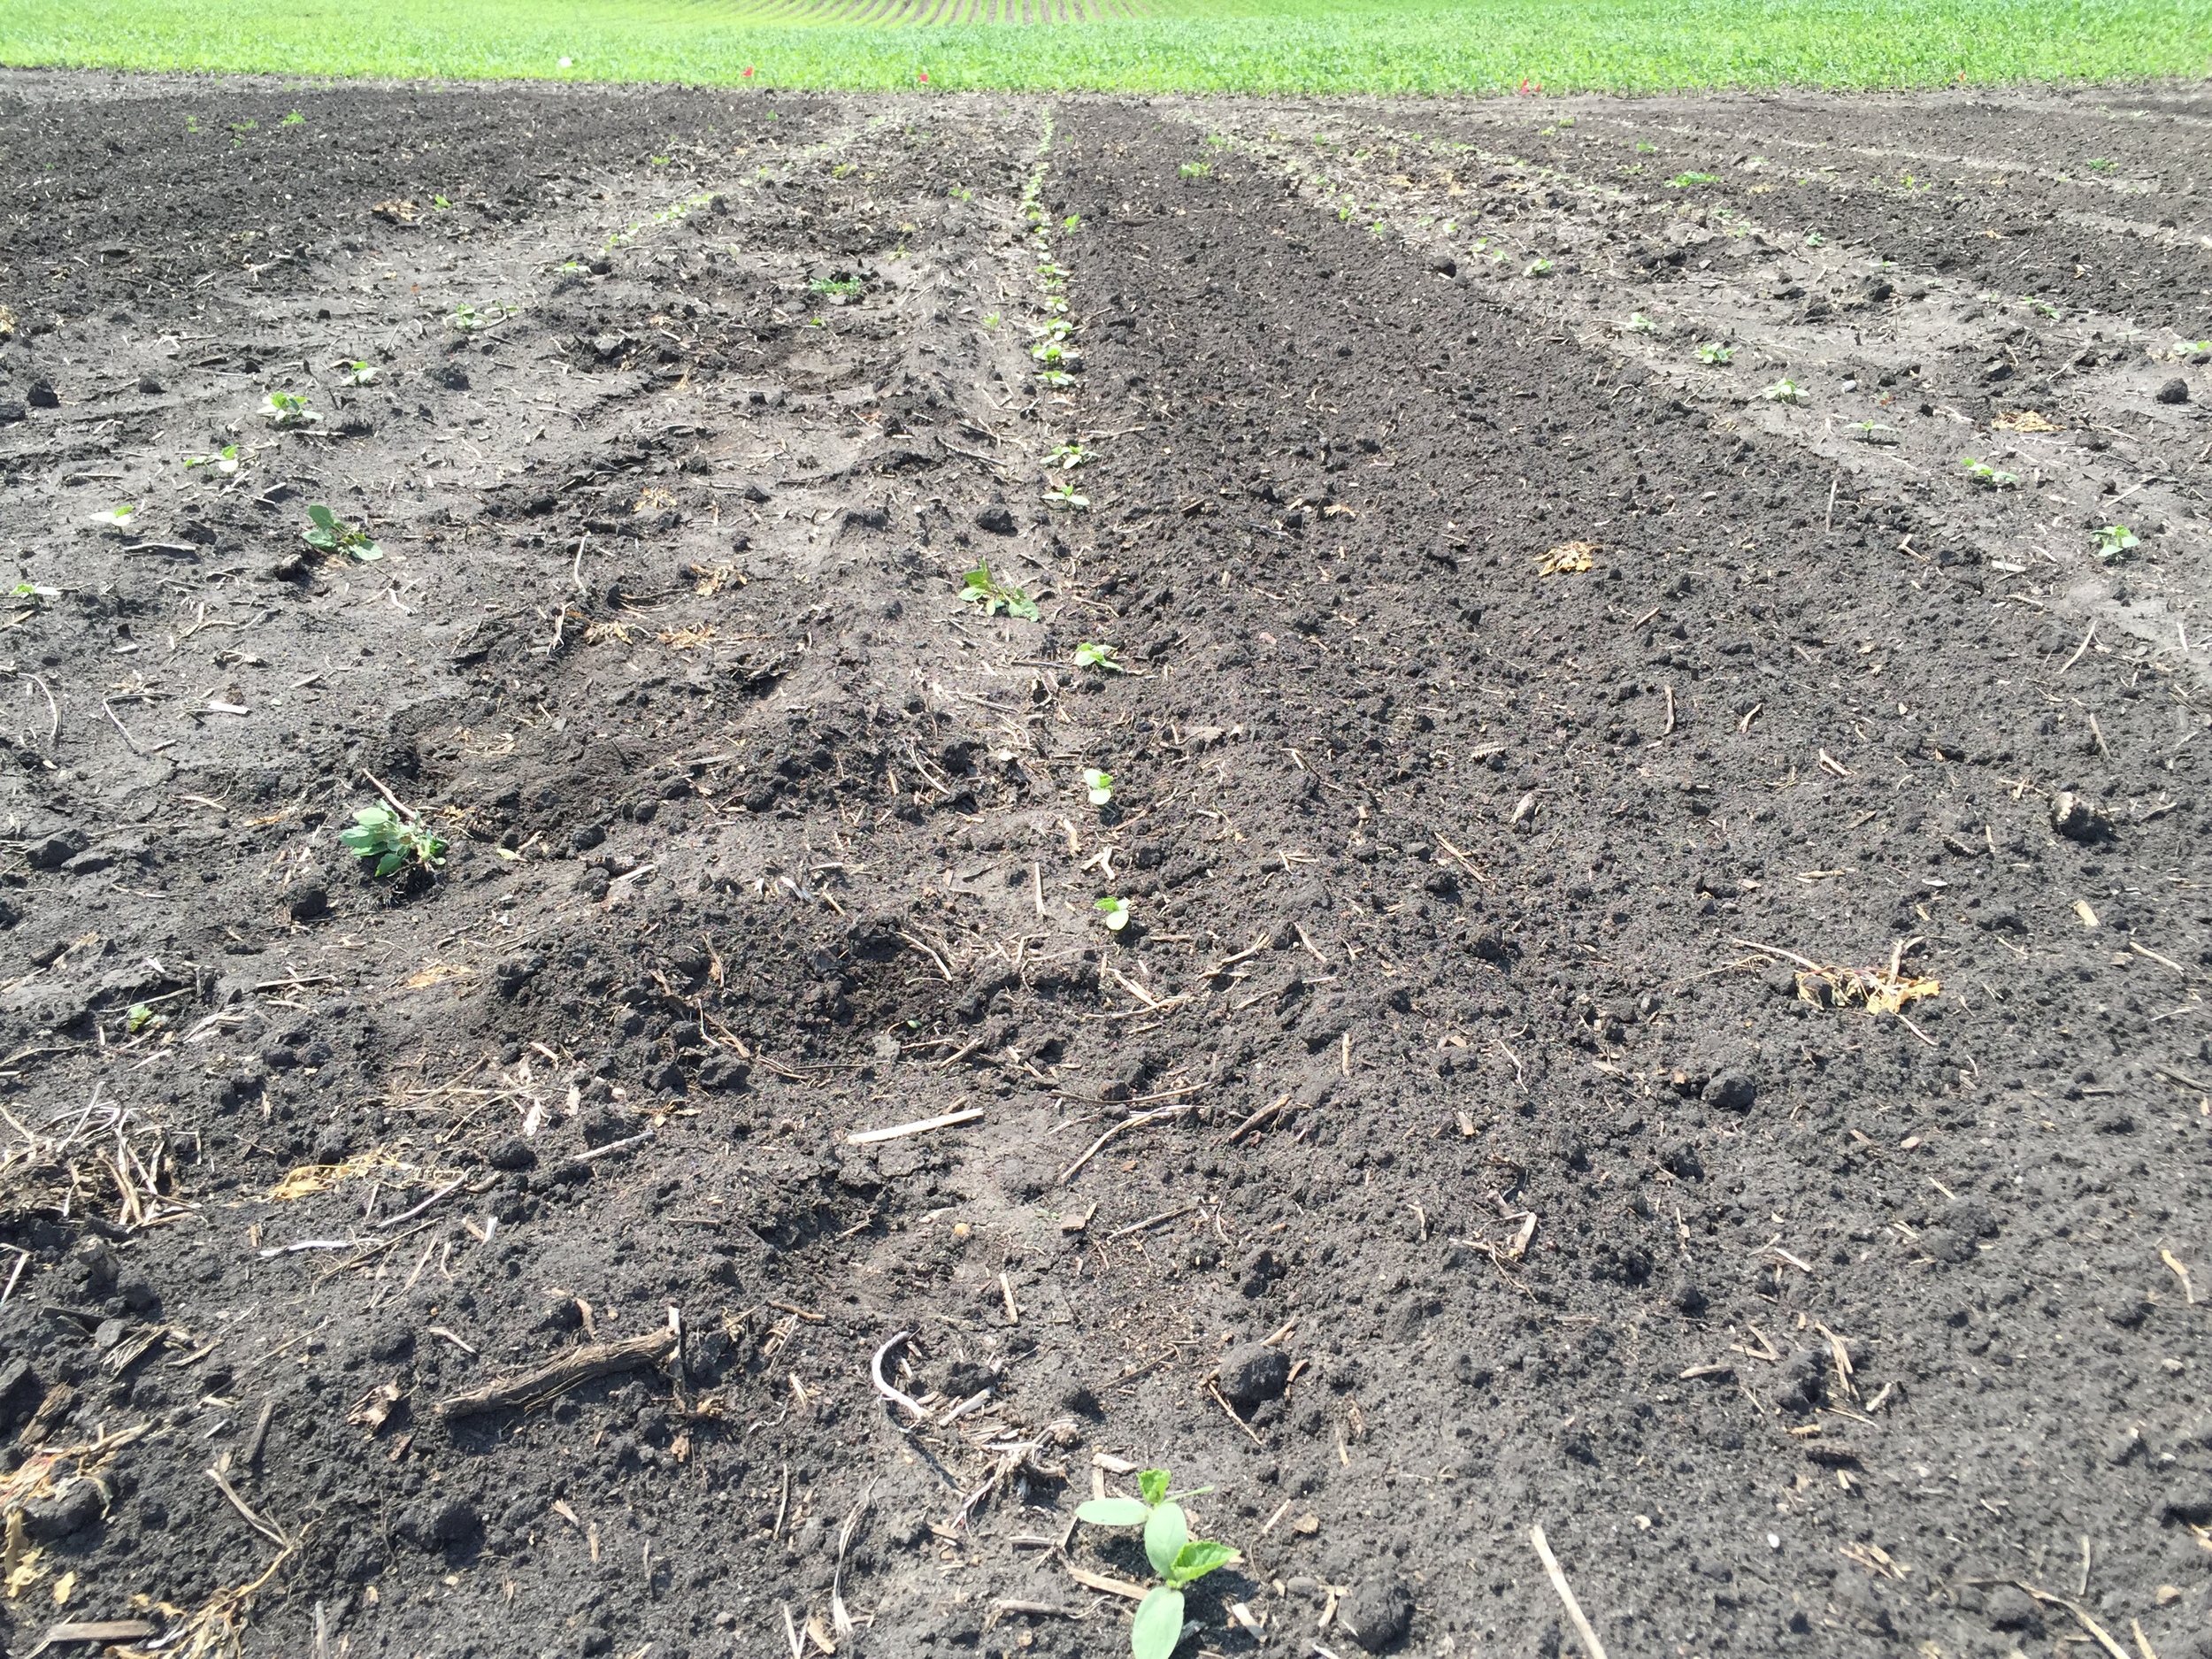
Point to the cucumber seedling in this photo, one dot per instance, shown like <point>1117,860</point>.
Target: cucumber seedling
<point>360,373</point>
<point>1178,1558</point>
<point>979,586</point>
<point>1068,457</point>
<point>1117,912</point>
<point>225,460</point>
<point>1784,391</point>
<point>1063,496</point>
<point>1099,657</point>
<point>1100,785</point>
<point>381,833</point>
<point>1639,324</point>
<point>116,518</point>
<point>1715,354</point>
<point>1985,474</point>
<point>287,410</point>
<point>2116,539</point>
<point>1684,181</point>
<point>327,532</point>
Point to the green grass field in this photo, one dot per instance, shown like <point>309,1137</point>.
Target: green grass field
<point>1428,47</point>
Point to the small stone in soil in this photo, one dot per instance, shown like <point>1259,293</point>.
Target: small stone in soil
<point>1377,1613</point>
<point>1253,1373</point>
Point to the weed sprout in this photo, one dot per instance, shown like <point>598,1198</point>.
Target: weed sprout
<point>979,586</point>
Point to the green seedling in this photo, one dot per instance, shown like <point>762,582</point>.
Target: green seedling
<point>1643,148</point>
<point>381,833</point>
<point>441,204</point>
<point>1071,224</point>
<point>2116,539</point>
<point>225,460</point>
<point>1055,378</point>
<point>360,374</point>
<point>1178,1558</point>
<point>142,1018</point>
<point>1116,919</point>
<point>1196,169</point>
<point>979,586</point>
<point>1063,495</point>
<point>1715,354</point>
<point>1099,657</point>
<point>34,594</point>
<point>2196,350</point>
<point>1784,391</point>
<point>116,518</point>
<point>327,532</point>
<point>842,287</point>
<point>960,193</point>
<point>990,319</point>
<point>293,119</point>
<point>1537,268</point>
<point>1684,181</point>
<point>468,319</point>
<point>1051,353</point>
<point>1982,472</point>
<point>2102,165</point>
<point>1814,238</point>
<point>287,410</point>
<point>1068,457</point>
<point>1100,784</point>
<point>1873,431</point>
<point>1639,324</point>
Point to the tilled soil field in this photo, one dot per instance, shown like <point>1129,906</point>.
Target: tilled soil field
<point>1661,916</point>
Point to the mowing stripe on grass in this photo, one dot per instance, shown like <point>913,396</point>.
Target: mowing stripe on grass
<point>1255,46</point>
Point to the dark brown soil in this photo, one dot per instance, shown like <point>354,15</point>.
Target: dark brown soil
<point>1501,1030</point>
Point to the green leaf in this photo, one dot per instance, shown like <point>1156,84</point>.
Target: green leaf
<point>1196,1559</point>
<point>1151,1482</point>
<point>1112,1512</point>
<point>1158,1625</point>
<point>1019,604</point>
<point>387,864</point>
<point>323,517</point>
<point>1164,1536</point>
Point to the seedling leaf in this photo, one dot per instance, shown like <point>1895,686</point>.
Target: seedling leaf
<point>1158,1625</point>
<point>1100,784</point>
<point>1165,1534</point>
<point>1151,1482</point>
<point>1197,1558</point>
<point>1112,1512</point>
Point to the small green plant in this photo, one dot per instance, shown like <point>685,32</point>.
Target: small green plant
<point>1055,378</point>
<point>843,286</point>
<point>1178,1558</point>
<point>441,204</point>
<point>327,532</point>
<point>1784,391</point>
<point>1063,496</point>
<point>1068,457</point>
<point>990,319</point>
<point>1873,431</point>
<point>1684,181</point>
<point>1101,786</point>
<point>1715,355</point>
<point>1051,353</point>
<point>1643,148</point>
<point>1983,473</point>
<point>142,1018</point>
<point>1071,224</point>
<point>225,460</point>
<point>2100,163</point>
<point>1814,238</point>
<point>1099,657</point>
<point>1537,268</point>
<point>1196,169</point>
<point>979,586</point>
<point>1639,324</point>
<point>360,374</point>
<point>2116,539</point>
<point>381,833</point>
<point>293,119</point>
<point>35,595</point>
<point>1116,919</point>
<point>960,193</point>
<point>116,518</point>
<point>285,410</point>
<point>467,319</point>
